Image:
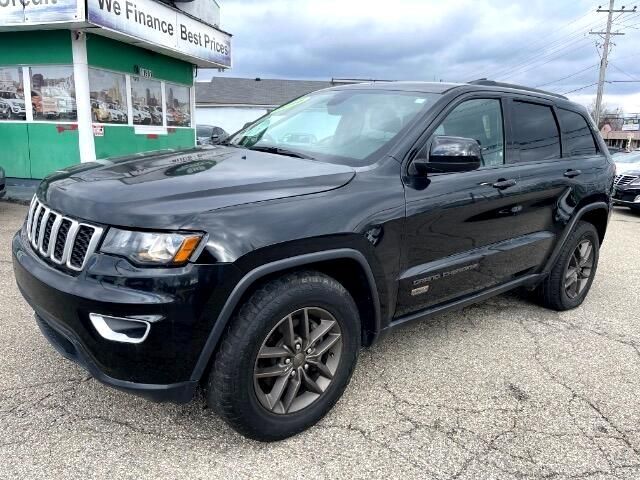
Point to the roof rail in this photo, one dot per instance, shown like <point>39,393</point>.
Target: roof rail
<point>493,83</point>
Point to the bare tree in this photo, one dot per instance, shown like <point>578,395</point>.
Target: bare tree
<point>609,115</point>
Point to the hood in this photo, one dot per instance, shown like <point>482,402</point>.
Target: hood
<point>627,168</point>
<point>15,101</point>
<point>165,191</point>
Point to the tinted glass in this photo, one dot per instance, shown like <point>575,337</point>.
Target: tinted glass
<point>53,93</point>
<point>12,105</point>
<point>146,96</point>
<point>535,132</point>
<point>577,136</point>
<point>178,105</point>
<point>480,120</point>
<point>346,126</point>
<point>108,96</point>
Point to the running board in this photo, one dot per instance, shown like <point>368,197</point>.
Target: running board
<point>460,303</point>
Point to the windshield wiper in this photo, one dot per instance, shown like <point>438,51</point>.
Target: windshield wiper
<point>280,151</point>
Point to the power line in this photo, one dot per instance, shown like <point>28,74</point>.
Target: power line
<point>605,51</point>
<point>549,57</point>
<point>526,58</point>
<point>581,88</point>
<point>622,71</point>
<point>568,76</point>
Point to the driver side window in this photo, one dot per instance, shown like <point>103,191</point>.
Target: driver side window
<point>480,120</point>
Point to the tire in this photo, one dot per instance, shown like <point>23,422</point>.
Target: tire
<point>552,292</point>
<point>238,397</point>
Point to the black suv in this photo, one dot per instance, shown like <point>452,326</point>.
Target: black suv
<point>258,268</point>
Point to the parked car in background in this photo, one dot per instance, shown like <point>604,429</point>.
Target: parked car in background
<point>100,111</point>
<point>15,104</point>
<point>258,268</point>
<point>5,110</point>
<point>156,115</point>
<point>210,135</point>
<point>140,115</point>
<point>3,183</point>
<point>116,114</point>
<point>627,181</point>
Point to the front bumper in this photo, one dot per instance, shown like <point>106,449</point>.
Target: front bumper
<point>161,368</point>
<point>627,196</point>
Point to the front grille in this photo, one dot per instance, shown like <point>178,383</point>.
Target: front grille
<point>622,180</point>
<point>61,239</point>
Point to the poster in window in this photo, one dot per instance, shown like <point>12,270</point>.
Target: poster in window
<point>178,105</point>
<point>146,98</point>
<point>108,93</point>
<point>12,106</point>
<point>53,94</point>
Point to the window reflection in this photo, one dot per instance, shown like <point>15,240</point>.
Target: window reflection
<point>53,93</point>
<point>146,96</point>
<point>108,94</point>
<point>12,106</point>
<point>178,105</point>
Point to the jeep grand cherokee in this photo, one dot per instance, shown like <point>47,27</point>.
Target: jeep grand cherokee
<point>258,268</point>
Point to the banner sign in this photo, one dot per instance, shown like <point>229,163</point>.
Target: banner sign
<point>33,12</point>
<point>155,23</point>
<point>631,124</point>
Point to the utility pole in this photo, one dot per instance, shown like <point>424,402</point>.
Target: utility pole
<point>605,52</point>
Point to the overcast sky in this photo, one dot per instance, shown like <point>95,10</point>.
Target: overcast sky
<point>532,42</point>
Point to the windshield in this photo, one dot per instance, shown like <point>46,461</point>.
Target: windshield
<point>204,131</point>
<point>627,157</point>
<point>345,126</point>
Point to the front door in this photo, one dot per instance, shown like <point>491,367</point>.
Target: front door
<point>463,231</point>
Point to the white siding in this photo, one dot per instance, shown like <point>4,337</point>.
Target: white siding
<point>230,119</point>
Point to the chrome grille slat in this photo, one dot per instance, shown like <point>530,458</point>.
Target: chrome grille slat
<point>622,180</point>
<point>75,253</point>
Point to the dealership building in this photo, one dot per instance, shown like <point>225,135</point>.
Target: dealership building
<point>87,80</point>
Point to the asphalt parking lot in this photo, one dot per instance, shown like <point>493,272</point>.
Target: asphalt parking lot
<point>504,389</point>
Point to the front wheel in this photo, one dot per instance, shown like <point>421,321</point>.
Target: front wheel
<point>572,275</point>
<point>287,356</point>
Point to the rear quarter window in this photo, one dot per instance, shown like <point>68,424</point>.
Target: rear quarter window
<point>576,134</point>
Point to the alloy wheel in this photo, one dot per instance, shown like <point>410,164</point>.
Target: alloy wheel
<point>298,360</point>
<point>579,269</point>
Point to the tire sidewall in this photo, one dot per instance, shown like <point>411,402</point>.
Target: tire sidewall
<point>303,294</point>
<point>583,233</point>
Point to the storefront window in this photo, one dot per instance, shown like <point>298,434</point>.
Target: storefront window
<point>11,94</point>
<point>146,97</point>
<point>53,93</point>
<point>108,94</point>
<point>178,105</point>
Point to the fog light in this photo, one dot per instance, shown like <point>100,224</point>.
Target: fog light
<point>123,329</point>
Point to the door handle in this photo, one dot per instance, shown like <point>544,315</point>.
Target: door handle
<point>502,184</point>
<point>572,173</point>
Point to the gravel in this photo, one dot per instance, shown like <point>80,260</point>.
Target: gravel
<point>503,389</point>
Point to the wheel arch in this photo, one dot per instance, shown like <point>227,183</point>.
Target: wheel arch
<point>330,262</point>
<point>596,213</point>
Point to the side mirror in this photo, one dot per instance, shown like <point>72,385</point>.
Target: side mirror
<point>450,154</point>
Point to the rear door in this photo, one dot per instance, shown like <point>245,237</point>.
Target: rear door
<point>557,158</point>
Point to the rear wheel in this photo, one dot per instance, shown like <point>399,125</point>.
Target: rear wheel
<point>287,356</point>
<point>572,275</point>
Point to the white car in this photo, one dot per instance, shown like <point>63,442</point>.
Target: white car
<point>14,103</point>
<point>140,115</point>
<point>116,115</point>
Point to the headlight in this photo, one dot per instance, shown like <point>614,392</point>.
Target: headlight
<point>151,248</point>
<point>636,181</point>
<point>15,109</point>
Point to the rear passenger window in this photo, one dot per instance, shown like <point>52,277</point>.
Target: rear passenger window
<point>535,132</point>
<point>576,134</point>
